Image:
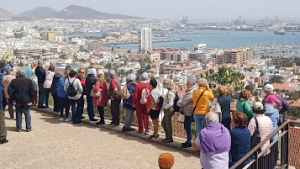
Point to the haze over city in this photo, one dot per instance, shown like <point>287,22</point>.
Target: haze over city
<point>174,9</point>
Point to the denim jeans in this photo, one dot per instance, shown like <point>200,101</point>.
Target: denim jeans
<point>167,123</point>
<point>20,109</point>
<point>41,100</point>
<point>56,100</point>
<point>65,104</point>
<point>188,128</point>
<point>128,117</point>
<point>47,93</point>
<point>200,122</point>
<point>90,107</point>
<point>76,109</point>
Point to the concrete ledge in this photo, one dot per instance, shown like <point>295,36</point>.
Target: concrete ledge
<point>175,145</point>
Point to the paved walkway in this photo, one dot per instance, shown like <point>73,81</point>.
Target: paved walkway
<point>59,145</point>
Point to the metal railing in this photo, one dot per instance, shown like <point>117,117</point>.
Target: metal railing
<point>275,154</point>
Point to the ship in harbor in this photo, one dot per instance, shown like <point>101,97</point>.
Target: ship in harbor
<point>280,32</point>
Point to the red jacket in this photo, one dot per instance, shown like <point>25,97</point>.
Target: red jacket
<point>103,99</point>
<point>138,92</point>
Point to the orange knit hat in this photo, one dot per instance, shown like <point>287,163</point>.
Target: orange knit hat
<point>166,161</point>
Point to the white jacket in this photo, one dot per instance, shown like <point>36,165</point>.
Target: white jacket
<point>77,85</point>
<point>48,79</point>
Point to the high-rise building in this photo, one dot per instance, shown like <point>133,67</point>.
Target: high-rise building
<point>145,40</point>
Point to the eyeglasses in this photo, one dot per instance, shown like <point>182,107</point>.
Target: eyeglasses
<point>81,72</point>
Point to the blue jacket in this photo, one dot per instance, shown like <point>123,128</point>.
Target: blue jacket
<point>127,103</point>
<point>273,113</point>
<point>61,92</point>
<point>55,83</point>
<point>240,145</point>
<point>224,102</point>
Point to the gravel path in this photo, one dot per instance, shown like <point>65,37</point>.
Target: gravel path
<point>59,145</point>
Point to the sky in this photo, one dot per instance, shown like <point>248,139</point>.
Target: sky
<point>173,9</point>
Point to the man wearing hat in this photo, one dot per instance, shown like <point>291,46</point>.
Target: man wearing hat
<point>283,106</point>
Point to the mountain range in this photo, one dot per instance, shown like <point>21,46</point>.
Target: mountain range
<point>70,12</point>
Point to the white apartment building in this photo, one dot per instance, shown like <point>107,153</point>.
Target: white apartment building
<point>145,40</point>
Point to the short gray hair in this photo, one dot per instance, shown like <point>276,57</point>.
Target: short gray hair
<point>21,72</point>
<point>191,80</point>
<point>202,82</point>
<point>40,61</point>
<point>112,72</point>
<point>212,117</point>
<point>23,63</point>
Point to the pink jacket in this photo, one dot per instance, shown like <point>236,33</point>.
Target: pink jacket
<point>265,128</point>
<point>103,99</point>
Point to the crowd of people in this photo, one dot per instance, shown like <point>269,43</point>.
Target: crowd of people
<point>222,137</point>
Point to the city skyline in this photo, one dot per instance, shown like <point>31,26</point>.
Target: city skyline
<point>173,10</point>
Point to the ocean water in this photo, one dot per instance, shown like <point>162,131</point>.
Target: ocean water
<point>224,39</point>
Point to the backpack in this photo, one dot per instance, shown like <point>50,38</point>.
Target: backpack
<point>144,96</point>
<point>160,102</point>
<point>71,89</point>
<point>176,99</point>
<point>255,139</point>
<point>125,94</point>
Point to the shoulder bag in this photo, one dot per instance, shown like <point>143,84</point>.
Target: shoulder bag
<point>255,139</point>
<point>96,94</point>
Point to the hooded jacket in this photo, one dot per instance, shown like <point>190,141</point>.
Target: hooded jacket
<point>90,81</point>
<point>55,83</point>
<point>273,113</point>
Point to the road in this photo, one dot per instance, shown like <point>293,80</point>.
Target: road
<point>59,145</point>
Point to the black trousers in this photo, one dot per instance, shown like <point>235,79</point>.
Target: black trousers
<point>115,110</point>
<point>10,108</point>
<point>101,113</point>
<point>56,107</point>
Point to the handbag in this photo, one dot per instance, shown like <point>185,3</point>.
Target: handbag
<point>255,139</point>
<point>95,94</point>
<point>196,106</point>
<point>125,94</point>
<point>181,118</point>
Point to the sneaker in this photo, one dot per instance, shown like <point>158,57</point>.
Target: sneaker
<point>152,137</point>
<point>41,107</point>
<point>3,141</point>
<point>61,119</point>
<point>99,123</point>
<point>29,130</point>
<point>139,132</point>
<point>146,132</point>
<point>167,140</point>
<point>186,145</point>
<point>18,130</point>
<point>68,119</point>
<point>130,129</point>
<point>124,129</point>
